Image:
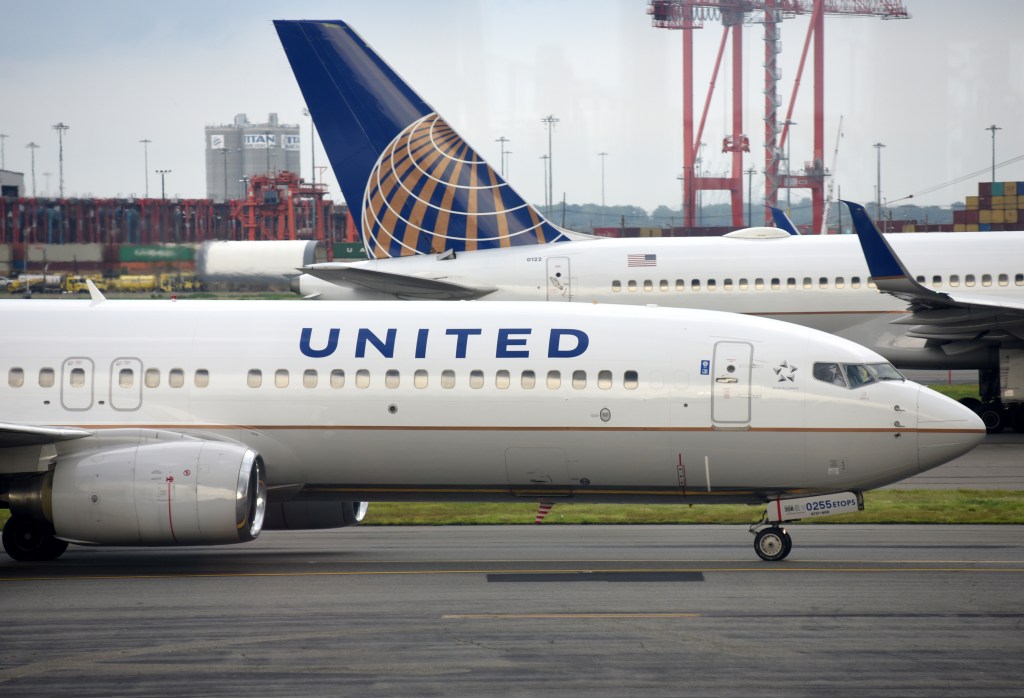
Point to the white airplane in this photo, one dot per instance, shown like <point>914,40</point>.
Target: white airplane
<point>169,422</point>
<point>439,223</point>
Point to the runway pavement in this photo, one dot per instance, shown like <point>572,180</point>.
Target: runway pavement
<point>525,611</point>
<point>995,464</point>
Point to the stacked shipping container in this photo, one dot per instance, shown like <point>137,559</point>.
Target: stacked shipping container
<point>998,206</point>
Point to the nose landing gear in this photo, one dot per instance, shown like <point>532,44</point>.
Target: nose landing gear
<point>772,543</point>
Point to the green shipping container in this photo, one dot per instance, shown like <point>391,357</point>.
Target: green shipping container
<point>156,253</point>
<point>349,250</point>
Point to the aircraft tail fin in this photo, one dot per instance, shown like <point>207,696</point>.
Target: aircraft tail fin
<point>413,185</point>
<point>783,221</point>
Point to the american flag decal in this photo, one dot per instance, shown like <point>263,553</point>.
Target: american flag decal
<point>642,260</point>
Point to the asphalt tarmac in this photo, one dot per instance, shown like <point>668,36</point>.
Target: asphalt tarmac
<point>544,610</point>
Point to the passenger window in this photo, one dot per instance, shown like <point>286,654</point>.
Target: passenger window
<point>476,379</point>
<point>579,380</point>
<point>77,377</point>
<point>1019,280</point>
<point>919,279</point>
<point>554,380</point>
<point>711,284</point>
<point>502,379</point>
<point>255,378</point>
<point>310,378</point>
<point>152,378</point>
<point>695,285</point>
<point>936,281</point>
<point>648,285</point>
<point>776,285</point>
<point>281,378</point>
<point>1004,280</point>
<point>854,282</point>
<point>872,284</point>
<point>758,284</point>
<point>201,378</point>
<point>791,284</point>
<point>447,378</point>
<point>125,378</point>
<point>16,377</point>
<point>420,379</point>
<point>176,378</point>
<point>969,280</point>
<point>808,282</point>
<point>337,378</point>
<point>744,285</point>
<point>46,378</point>
<point>616,286</point>
<point>631,286</point>
<point>680,285</point>
<point>829,373</point>
<point>391,378</point>
<point>630,380</point>
<point>528,380</point>
<point>727,285</point>
<point>823,282</point>
<point>362,378</point>
<point>954,280</point>
<point>663,285</point>
<point>986,279</point>
<point>840,283</point>
<point>604,380</point>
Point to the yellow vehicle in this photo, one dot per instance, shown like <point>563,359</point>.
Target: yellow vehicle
<point>135,282</point>
<point>77,284</point>
<point>184,281</point>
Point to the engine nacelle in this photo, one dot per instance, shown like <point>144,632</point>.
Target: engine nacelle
<point>186,493</point>
<point>299,515</point>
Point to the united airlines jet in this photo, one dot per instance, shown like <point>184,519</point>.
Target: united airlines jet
<point>439,223</point>
<point>175,423</point>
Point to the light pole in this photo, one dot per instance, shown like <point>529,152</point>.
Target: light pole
<point>3,158</point>
<point>993,128</point>
<point>750,193</point>
<point>145,161</point>
<point>60,128</point>
<point>878,182</point>
<point>503,141</point>
<point>550,121</point>
<point>602,155</point>
<point>32,149</point>
<point>312,164</point>
<point>682,198</point>
<point>544,159</point>
<point>163,190</point>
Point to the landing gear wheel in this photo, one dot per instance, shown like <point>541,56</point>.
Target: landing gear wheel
<point>27,540</point>
<point>773,544</point>
<point>993,416</point>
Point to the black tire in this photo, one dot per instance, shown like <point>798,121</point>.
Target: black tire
<point>994,418</point>
<point>971,403</point>
<point>772,544</point>
<point>27,540</point>
<point>1016,419</point>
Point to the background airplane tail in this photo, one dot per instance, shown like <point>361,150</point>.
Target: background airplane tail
<point>413,185</point>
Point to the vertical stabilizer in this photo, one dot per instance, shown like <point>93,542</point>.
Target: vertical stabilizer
<point>413,185</point>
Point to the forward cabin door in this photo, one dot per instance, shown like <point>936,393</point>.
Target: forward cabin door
<point>559,284</point>
<point>730,375</point>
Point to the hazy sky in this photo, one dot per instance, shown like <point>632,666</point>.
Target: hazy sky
<point>120,71</point>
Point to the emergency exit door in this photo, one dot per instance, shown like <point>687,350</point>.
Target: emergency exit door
<point>730,373</point>
<point>76,383</point>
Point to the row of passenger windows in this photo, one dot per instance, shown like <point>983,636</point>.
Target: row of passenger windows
<point>792,283</point>
<point>362,378</point>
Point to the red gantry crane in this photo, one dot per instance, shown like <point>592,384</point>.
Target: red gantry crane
<point>688,15</point>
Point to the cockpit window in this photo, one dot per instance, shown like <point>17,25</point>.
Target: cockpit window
<point>855,375</point>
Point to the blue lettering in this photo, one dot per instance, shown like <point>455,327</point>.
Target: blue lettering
<point>332,343</point>
<point>556,352</point>
<point>463,338</point>
<point>386,347</point>
<point>421,343</point>
<point>505,341</point>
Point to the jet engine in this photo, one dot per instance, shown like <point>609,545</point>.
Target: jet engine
<point>298,515</point>
<point>191,492</point>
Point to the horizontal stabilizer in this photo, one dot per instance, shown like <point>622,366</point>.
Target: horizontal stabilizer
<point>12,435</point>
<point>400,285</point>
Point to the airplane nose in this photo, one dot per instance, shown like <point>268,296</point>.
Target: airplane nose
<point>946,429</point>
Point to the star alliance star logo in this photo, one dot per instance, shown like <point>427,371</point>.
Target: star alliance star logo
<point>785,372</point>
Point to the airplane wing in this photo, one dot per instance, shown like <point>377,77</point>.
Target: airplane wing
<point>957,321</point>
<point>401,285</point>
<point>13,435</point>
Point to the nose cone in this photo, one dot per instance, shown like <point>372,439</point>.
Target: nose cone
<point>946,429</point>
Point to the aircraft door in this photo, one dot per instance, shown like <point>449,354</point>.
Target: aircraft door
<point>76,377</point>
<point>126,384</point>
<point>730,375</point>
<point>559,283</point>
